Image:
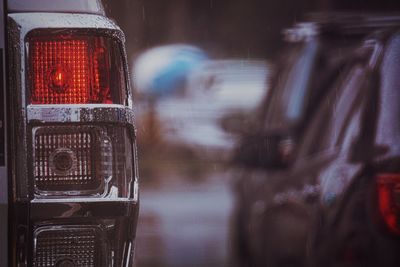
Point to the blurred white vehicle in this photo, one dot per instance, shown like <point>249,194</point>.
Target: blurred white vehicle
<point>216,90</point>
<point>213,89</point>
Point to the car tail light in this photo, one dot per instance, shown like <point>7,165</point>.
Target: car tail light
<point>389,200</point>
<point>74,188</point>
<point>81,160</point>
<point>69,246</point>
<point>74,69</point>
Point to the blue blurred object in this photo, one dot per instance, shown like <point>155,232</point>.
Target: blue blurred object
<point>161,71</point>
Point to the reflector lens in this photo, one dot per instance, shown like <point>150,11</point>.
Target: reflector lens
<point>75,70</point>
<point>388,200</point>
<point>68,246</point>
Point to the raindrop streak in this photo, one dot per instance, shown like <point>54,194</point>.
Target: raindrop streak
<point>143,13</point>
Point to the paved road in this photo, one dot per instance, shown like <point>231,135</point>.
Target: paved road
<point>185,225</point>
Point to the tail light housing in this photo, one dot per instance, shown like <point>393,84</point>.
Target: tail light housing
<point>388,187</point>
<point>74,195</point>
<point>74,68</point>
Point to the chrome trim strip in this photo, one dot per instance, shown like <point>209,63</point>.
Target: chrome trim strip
<point>81,113</point>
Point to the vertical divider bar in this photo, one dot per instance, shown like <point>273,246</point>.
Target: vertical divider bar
<point>3,145</point>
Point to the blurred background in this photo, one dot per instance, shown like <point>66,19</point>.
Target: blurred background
<point>199,69</point>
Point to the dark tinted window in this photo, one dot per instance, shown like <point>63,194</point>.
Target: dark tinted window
<point>390,94</point>
<point>2,129</point>
<point>338,121</point>
<point>291,85</point>
<point>301,81</point>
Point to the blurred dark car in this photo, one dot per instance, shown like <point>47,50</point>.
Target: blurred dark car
<point>319,178</point>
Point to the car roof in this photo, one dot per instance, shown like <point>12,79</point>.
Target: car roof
<point>75,6</point>
<point>341,24</point>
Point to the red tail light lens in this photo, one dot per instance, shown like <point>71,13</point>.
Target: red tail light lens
<point>75,69</point>
<point>389,200</point>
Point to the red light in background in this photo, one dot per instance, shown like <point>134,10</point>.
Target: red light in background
<point>388,194</point>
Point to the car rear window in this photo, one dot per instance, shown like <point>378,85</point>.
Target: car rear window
<point>390,94</point>
<point>2,128</point>
<point>338,122</point>
<point>291,86</point>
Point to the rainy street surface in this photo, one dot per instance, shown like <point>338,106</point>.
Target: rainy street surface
<point>186,199</point>
<point>185,225</point>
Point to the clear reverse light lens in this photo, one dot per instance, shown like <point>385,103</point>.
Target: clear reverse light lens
<point>82,161</point>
